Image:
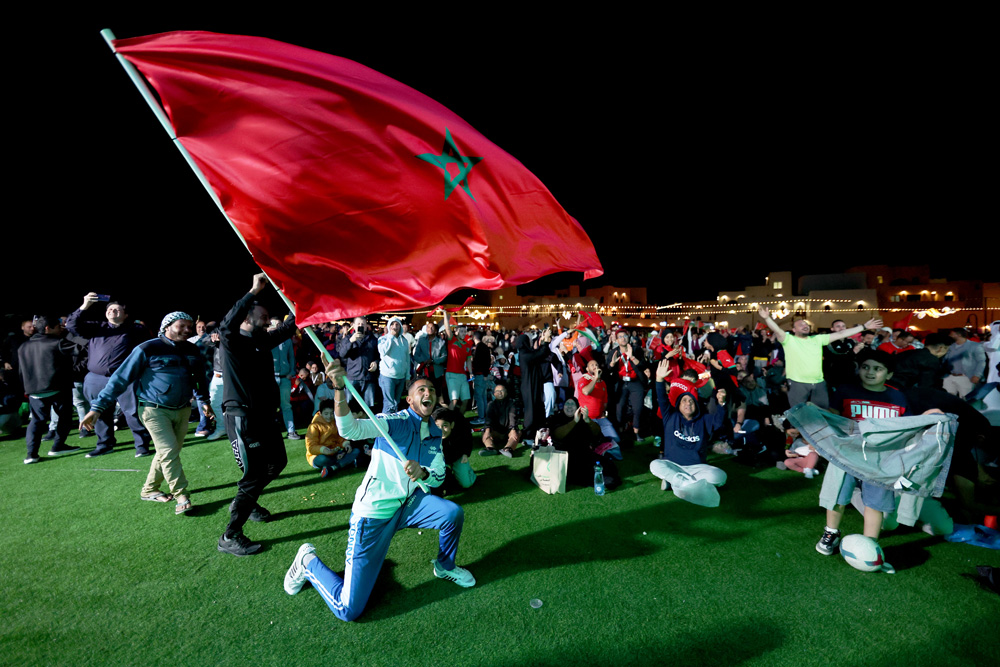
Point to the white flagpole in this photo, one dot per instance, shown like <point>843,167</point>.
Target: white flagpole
<point>154,106</point>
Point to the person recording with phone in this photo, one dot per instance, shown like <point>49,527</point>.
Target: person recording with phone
<point>359,353</point>
<point>109,344</point>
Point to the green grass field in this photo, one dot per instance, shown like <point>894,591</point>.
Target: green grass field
<point>92,576</point>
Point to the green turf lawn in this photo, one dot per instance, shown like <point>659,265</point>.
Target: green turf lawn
<point>92,576</point>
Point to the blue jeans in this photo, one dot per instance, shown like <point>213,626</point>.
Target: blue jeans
<point>324,461</point>
<point>105,428</point>
<point>480,386</point>
<point>285,396</point>
<point>366,389</point>
<point>61,403</point>
<point>392,389</point>
<point>367,543</point>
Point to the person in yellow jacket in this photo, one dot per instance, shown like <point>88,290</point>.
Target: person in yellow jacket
<point>325,449</point>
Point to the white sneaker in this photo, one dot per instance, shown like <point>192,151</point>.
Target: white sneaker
<point>295,578</point>
<point>809,473</point>
<point>32,459</point>
<point>664,485</point>
<point>459,575</point>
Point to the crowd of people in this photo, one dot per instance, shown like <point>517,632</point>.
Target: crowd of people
<point>592,391</point>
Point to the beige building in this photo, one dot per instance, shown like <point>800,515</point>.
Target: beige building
<point>854,296</point>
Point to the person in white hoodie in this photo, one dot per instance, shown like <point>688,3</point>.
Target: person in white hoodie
<point>394,367</point>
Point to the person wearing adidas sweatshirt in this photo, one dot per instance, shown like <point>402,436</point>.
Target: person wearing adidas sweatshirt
<point>389,499</point>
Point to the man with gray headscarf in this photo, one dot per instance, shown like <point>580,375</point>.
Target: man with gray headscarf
<point>166,370</point>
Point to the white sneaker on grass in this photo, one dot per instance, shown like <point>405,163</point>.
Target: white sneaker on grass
<point>459,575</point>
<point>295,578</point>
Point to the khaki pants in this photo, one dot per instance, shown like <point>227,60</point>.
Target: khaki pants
<point>167,427</point>
<point>958,385</point>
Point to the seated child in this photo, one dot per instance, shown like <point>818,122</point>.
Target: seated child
<point>800,455</point>
<point>456,442</point>
<point>325,449</point>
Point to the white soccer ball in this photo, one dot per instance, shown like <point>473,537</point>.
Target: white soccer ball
<point>862,553</point>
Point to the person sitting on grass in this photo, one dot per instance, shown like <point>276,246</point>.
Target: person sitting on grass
<point>592,393</point>
<point>800,455</point>
<point>687,436</point>
<point>501,420</point>
<point>456,441</point>
<point>325,449</point>
<point>573,431</point>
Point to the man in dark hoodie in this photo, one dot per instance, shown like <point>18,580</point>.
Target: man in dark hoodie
<point>687,436</point>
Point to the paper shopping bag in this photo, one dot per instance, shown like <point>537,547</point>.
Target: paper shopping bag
<point>548,469</point>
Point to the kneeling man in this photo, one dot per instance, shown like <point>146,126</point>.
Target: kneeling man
<point>388,500</point>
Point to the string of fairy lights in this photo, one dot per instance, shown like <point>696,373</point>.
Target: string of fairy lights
<point>780,308</point>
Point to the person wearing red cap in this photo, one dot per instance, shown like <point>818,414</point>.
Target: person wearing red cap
<point>687,436</point>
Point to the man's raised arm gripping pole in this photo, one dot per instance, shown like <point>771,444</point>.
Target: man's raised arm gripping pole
<point>335,372</point>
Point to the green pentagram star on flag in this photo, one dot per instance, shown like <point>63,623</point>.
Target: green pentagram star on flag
<point>451,155</point>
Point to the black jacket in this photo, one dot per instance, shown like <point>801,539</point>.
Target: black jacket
<point>46,364</point>
<point>917,369</point>
<point>247,366</point>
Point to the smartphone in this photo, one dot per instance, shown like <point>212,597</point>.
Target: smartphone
<point>104,297</point>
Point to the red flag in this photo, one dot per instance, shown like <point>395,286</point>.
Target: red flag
<point>903,323</point>
<point>354,192</point>
<point>592,319</point>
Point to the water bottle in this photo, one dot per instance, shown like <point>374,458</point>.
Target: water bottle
<point>598,479</point>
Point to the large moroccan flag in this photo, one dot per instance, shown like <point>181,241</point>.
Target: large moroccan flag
<point>354,192</point>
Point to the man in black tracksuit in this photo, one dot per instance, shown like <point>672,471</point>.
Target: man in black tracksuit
<point>249,402</point>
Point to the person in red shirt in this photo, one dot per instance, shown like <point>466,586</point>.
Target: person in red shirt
<point>593,396</point>
<point>629,366</point>
<point>901,342</point>
<point>458,366</point>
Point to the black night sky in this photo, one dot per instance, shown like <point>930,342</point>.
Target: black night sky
<point>697,159</point>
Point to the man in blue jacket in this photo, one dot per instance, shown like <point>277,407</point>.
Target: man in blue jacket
<point>388,500</point>
<point>165,370</point>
